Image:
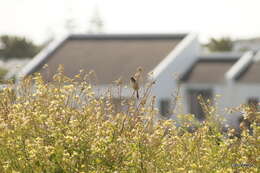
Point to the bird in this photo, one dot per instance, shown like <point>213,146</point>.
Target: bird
<point>135,86</point>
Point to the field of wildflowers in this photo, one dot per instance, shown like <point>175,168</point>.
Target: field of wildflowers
<point>61,126</point>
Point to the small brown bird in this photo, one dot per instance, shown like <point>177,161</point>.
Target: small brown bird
<point>135,86</point>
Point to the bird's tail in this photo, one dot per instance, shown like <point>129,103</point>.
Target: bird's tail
<point>137,94</point>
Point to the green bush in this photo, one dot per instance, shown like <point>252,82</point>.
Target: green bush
<point>2,74</point>
<point>51,127</point>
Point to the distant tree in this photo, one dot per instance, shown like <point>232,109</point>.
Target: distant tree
<point>70,25</point>
<point>96,24</point>
<point>2,74</point>
<point>220,45</point>
<point>17,47</point>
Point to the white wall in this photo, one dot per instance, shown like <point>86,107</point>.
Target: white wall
<point>102,90</point>
<point>231,95</point>
<point>176,63</point>
<point>240,93</point>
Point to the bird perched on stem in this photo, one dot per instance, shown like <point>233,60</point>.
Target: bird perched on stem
<point>135,86</point>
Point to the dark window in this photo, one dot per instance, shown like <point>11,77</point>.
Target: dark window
<point>194,104</point>
<point>253,102</point>
<point>165,107</point>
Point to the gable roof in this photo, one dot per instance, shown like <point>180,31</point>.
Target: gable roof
<point>110,56</point>
<point>210,69</point>
<point>238,68</point>
<point>251,72</point>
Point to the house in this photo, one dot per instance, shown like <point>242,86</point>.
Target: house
<point>206,77</point>
<point>246,44</point>
<point>234,76</point>
<point>116,55</point>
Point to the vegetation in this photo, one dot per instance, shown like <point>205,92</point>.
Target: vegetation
<point>220,45</point>
<point>2,74</point>
<point>52,127</point>
<point>17,47</point>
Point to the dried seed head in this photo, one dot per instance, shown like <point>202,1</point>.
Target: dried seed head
<point>45,66</point>
<point>139,69</point>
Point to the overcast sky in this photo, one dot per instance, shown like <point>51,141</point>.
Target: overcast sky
<point>42,19</point>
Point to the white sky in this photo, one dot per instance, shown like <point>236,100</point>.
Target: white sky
<point>41,19</point>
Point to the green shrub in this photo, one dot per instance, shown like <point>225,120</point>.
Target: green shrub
<point>51,127</point>
<point>2,74</point>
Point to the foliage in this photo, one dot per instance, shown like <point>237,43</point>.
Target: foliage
<point>2,74</point>
<point>52,127</point>
<point>220,45</point>
<point>17,47</point>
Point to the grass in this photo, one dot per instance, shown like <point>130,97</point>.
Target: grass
<point>57,128</point>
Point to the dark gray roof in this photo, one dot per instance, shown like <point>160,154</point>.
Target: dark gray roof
<point>210,69</point>
<point>110,55</point>
<point>127,36</point>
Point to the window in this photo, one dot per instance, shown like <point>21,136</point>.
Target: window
<point>194,104</point>
<point>165,107</point>
<point>253,102</point>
